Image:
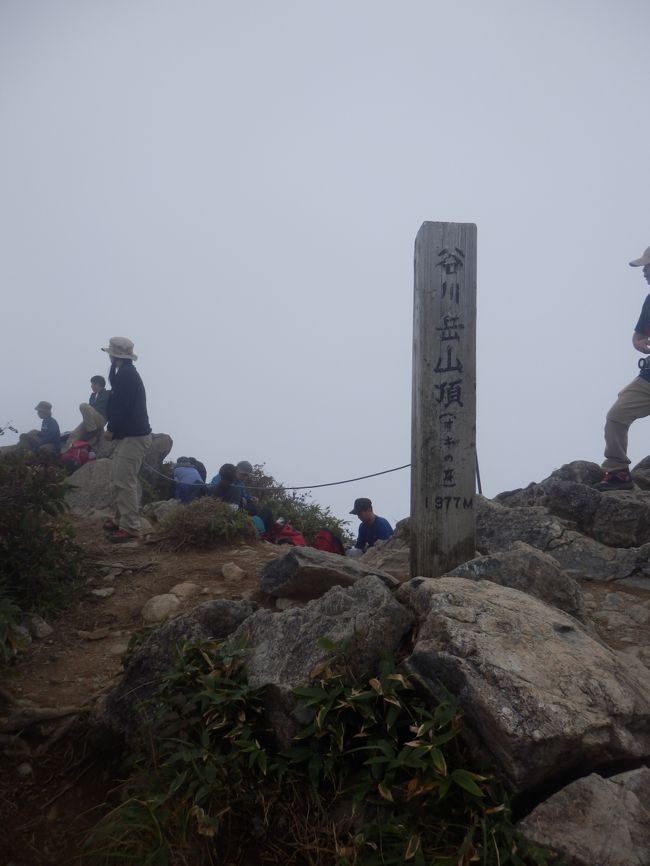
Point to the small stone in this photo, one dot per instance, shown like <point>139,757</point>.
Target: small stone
<point>106,592</point>
<point>184,590</point>
<point>25,769</point>
<point>232,572</point>
<point>284,603</point>
<point>159,607</point>
<point>37,626</point>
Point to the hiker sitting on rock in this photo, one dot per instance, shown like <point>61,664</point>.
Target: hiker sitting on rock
<point>93,413</point>
<point>189,484</point>
<point>372,528</point>
<point>47,440</point>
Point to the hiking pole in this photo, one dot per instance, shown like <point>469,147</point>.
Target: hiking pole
<point>478,477</point>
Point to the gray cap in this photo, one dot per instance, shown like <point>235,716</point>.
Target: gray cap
<point>245,466</point>
<point>43,406</point>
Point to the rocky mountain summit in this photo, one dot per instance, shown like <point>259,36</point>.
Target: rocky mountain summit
<point>543,638</point>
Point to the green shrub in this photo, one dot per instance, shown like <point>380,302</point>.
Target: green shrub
<point>39,561</point>
<point>205,523</point>
<point>298,509</point>
<point>375,777</point>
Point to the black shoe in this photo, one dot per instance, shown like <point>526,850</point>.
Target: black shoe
<point>620,480</point>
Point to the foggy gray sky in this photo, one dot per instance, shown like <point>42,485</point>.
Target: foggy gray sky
<point>237,188</point>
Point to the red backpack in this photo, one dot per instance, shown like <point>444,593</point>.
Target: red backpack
<point>283,533</point>
<point>327,540</point>
<point>76,455</point>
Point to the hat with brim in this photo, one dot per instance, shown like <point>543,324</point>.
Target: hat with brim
<point>43,406</point>
<point>360,505</point>
<point>120,347</point>
<point>644,260</point>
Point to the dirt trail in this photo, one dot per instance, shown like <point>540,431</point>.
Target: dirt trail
<point>47,802</point>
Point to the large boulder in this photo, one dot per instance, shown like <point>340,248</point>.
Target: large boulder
<point>90,487</point>
<point>541,695</point>
<point>621,519</point>
<point>528,570</point>
<point>596,821</point>
<point>124,712</point>
<point>306,573</point>
<point>90,484</point>
<point>152,470</point>
<point>363,619</point>
<point>392,556</point>
<point>499,527</point>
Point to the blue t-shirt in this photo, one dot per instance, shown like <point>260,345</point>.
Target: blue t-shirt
<point>378,530</point>
<point>643,327</point>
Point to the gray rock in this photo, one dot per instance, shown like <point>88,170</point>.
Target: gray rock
<point>104,592</point>
<point>622,519</point>
<point>306,573</point>
<point>596,821</point>
<point>364,618</point>
<point>583,471</point>
<point>124,711</point>
<point>152,470</point>
<point>499,527</point>
<point>393,555</point>
<point>37,626</point>
<point>540,694</point>
<point>158,511</point>
<point>528,570</point>
<point>90,487</point>
<point>232,572</point>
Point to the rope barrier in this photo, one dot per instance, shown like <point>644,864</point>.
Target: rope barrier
<point>303,487</point>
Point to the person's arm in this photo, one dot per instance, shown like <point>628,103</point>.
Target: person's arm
<point>361,537</point>
<point>640,342</point>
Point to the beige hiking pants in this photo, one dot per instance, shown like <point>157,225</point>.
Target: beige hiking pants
<point>127,460</point>
<point>633,402</point>
<point>93,422</point>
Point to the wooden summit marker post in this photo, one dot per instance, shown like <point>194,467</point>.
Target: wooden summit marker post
<point>443,429</point>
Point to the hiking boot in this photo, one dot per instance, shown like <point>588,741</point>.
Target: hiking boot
<point>109,525</point>
<point>619,480</point>
<point>120,536</point>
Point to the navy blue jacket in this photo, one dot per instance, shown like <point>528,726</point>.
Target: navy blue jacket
<point>99,401</point>
<point>127,406</point>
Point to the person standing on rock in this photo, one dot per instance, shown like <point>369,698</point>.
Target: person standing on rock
<point>127,423</point>
<point>372,528</point>
<point>633,401</point>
